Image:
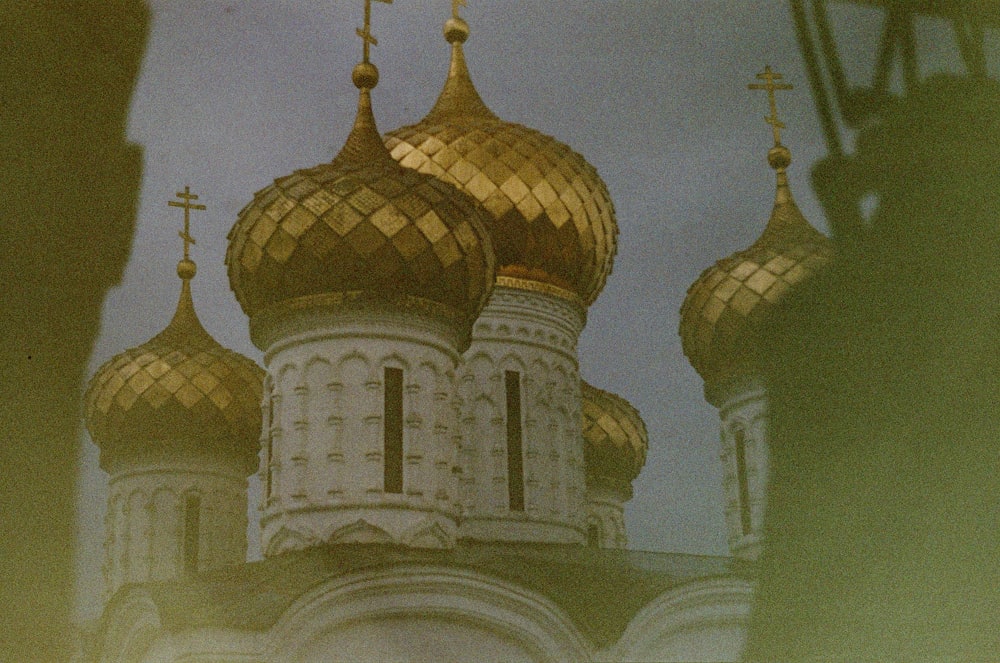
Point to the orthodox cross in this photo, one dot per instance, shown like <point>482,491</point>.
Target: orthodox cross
<point>366,32</point>
<point>186,197</point>
<point>770,77</point>
<point>455,4</point>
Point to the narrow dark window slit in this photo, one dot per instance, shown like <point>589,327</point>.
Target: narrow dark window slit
<point>393,430</point>
<point>515,457</point>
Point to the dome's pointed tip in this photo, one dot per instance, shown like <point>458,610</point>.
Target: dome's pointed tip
<point>459,97</point>
<point>364,144</point>
<point>782,191</point>
<point>185,318</point>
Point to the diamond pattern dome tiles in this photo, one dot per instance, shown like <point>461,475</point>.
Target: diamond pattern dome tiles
<point>180,386</point>
<point>726,308</point>
<point>550,215</point>
<point>614,435</point>
<point>361,226</point>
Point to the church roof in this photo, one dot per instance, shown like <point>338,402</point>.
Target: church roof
<point>614,437</point>
<point>549,213</point>
<point>362,230</point>
<point>179,388</point>
<point>726,309</point>
<point>600,590</point>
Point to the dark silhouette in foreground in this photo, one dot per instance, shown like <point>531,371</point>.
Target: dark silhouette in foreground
<point>70,188</point>
<point>883,516</point>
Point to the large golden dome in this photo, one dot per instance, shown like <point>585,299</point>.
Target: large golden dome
<point>725,309</point>
<point>615,439</point>
<point>179,388</point>
<point>550,214</point>
<point>362,229</point>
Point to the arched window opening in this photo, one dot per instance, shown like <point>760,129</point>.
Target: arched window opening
<point>593,535</point>
<point>393,419</point>
<point>192,526</point>
<point>515,459</point>
<point>739,438</point>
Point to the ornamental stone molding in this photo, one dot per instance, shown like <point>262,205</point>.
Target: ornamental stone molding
<point>606,517</point>
<point>528,337</point>
<point>145,525</point>
<point>702,620</point>
<point>323,464</point>
<point>432,614</point>
<point>133,627</point>
<point>744,455</point>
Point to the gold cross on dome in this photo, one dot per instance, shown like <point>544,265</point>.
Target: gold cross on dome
<point>187,197</point>
<point>455,4</point>
<point>770,77</point>
<point>367,38</point>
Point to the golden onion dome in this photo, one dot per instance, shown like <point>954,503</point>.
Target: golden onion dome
<point>725,309</point>
<point>362,230</point>
<point>550,214</point>
<point>614,437</point>
<point>180,389</point>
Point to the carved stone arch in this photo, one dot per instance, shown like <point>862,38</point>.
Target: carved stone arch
<point>360,531</point>
<point>319,405</point>
<point>733,428</point>
<point>539,366</point>
<point>288,539</point>
<point>480,365</point>
<point>433,613</point>
<point>512,361</point>
<point>321,365</point>
<point>595,531</point>
<point>393,359</point>
<point>355,372</point>
<point>484,403</point>
<point>425,363</point>
<point>428,534</point>
<point>165,514</point>
<point>131,625</point>
<point>192,487</point>
<point>355,356</point>
<point>701,620</point>
<point>424,377</point>
<point>163,489</point>
<point>537,379</point>
<point>136,503</point>
<point>281,376</point>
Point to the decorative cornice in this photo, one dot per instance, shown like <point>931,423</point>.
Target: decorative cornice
<point>539,286</point>
<point>269,325</point>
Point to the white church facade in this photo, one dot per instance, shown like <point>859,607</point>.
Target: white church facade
<point>438,480</point>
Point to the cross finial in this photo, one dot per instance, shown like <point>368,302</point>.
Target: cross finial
<point>367,38</point>
<point>770,77</point>
<point>186,197</point>
<point>455,4</point>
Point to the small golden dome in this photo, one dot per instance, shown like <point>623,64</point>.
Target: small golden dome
<point>550,214</point>
<point>725,309</point>
<point>179,388</point>
<point>362,228</point>
<point>615,439</point>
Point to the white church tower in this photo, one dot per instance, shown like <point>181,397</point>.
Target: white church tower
<point>554,231</point>
<point>177,420</point>
<point>361,279</point>
<point>722,319</point>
